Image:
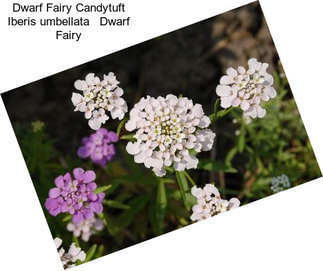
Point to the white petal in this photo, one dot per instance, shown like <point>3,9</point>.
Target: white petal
<point>133,148</point>
<point>80,84</point>
<point>226,80</point>
<point>232,72</point>
<point>197,111</point>
<point>236,102</point>
<point>244,105</point>
<point>223,90</point>
<point>226,102</point>
<point>94,123</point>
<point>77,98</point>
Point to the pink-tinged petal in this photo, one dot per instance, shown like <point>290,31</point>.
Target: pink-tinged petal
<point>78,218</point>
<point>263,68</point>
<point>232,72</point>
<point>54,193</point>
<point>264,97</point>
<point>83,152</point>
<point>89,78</point>
<point>59,181</point>
<point>113,137</point>
<point>88,213</point>
<point>226,80</point>
<point>118,91</point>
<point>80,84</point>
<point>78,173</point>
<point>89,176</point>
<point>91,186</point>
<point>236,102</point>
<point>68,177</point>
<point>241,70</point>
<point>261,112</point>
<point>96,207</point>
<point>77,98</point>
<point>92,197</point>
<point>223,90</point>
<point>244,105</point>
<point>100,197</point>
<point>271,92</point>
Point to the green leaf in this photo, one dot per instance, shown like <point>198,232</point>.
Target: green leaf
<point>76,241</point>
<point>161,205</point>
<point>183,186</point>
<point>120,126</point>
<point>216,106</point>
<point>212,117</point>
<point>208,164</point>
<point>241,141</point>
<point>224,112</point>
<point>127,217</point>
<point>103,188</point>
<point>90,253</point>
<point>128,137</point>
<point>67,218</point>
<point>116,204</point>
<point>230,155</point>
<point>99,252</point>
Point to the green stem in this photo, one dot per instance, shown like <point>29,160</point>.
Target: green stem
<point>189,178</point>
<point>129,137</point>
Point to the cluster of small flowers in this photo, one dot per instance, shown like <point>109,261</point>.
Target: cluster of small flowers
<point>209,203</point>
<point>99,97</point>
<point>69,258</point>
<point>167,130</point>
<point>247,88</point>
<point>76,196</point>
<point>99,146</point>
<point>86,228</point>
<point>280,183</point>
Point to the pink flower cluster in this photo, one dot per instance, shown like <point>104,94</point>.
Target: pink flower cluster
<point>99,146</point>
<point>75,196</point>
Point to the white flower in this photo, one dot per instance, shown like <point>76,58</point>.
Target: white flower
<point>247,88</point>
<point>86,228</point>
<point>280,183</point>
<point>69,258</point>
<point>209,203</point>
<point>168,130</point>
<point>98,97</point>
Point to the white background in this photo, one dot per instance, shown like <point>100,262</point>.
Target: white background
<point>281,232</point>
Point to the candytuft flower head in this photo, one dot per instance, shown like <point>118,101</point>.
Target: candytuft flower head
<point>280,183</point>
<point>168,130</point>
<point>75,195</point>
<point>99,146</point>
<point>209,203</point>
<point>69,258</point>
<point>247,88</point>
<point>86,228</point>
<point>98,97</point>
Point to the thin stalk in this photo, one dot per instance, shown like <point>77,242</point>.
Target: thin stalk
<point>189,178</point>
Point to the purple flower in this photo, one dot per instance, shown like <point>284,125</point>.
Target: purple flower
<point>75,195</point>
<point>99,146</point>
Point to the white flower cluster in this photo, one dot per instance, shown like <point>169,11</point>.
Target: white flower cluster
<point>99,97</point>
<point>209,203</point>
<point>247,88</point>
<point>86,228</point>
<point>280,183</point>
<point>168,130</point>
<point>69,258</point>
